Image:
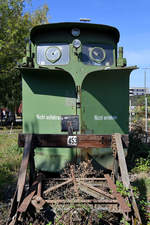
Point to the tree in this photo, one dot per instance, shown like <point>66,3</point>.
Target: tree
<point>14,29</point>
<point>139,100</point>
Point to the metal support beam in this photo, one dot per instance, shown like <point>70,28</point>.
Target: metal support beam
<point>122,161</point>
<point>60,140</point>
<point>24,165</point>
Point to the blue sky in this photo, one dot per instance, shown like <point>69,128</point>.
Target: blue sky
<point>131,17</point>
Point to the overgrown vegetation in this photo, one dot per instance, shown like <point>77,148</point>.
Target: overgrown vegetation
<point>139,100</point>
<point>138,110</point>
<point>139,150</point>
<point>141,187</point>
<point>72,212</point>
<point>138,162</point>
<point>142,165</point>
<point>10,158</point>
<point>15,25</point>
<point>141,190</point>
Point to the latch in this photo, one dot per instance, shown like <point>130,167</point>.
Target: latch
<point>78,101</point>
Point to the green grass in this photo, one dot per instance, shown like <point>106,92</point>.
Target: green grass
<point>143,184</point>
<point>10,158</point>
<point>142,192</point>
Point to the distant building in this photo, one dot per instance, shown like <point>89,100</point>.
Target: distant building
<point>138,91</point>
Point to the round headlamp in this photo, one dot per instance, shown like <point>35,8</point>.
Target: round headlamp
<point>97,54</point>
<point>76,43</point>
<point>75,32</point>
<point>53,54</point>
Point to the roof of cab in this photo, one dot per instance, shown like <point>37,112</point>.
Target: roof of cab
<point>99,27</point>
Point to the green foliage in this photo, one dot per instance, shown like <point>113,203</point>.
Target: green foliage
<point>39,16</point>
<point>15,26</point>
<point>142,165</point>
<point>86,207</point>
<point>121,189</point>
<point>10,157</point>
<point>141,188</point>
<point>49,223</point>
<point>138,113</point>
<point>100,215</point>
<point>137,147</point>
<point>138,161</point>
<point>139,100</point>
<point>124,222</point>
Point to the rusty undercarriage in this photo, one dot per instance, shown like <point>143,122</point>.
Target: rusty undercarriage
<point>77,194</point>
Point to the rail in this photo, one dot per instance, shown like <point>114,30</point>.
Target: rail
<point>31,141</point>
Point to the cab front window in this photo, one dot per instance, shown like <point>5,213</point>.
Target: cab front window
<point>97,54</point>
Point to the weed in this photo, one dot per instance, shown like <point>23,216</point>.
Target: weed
<point>142,165</point>
<point>141,188</point>
<point>121,189</point>
<point>124,222</point>
<point>10,157</point>
<point>100,215</point>
<point>138,148</point>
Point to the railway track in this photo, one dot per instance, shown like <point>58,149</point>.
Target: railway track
<point>78,191</point>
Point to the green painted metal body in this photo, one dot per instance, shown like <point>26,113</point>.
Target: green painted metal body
<point>97,93</point>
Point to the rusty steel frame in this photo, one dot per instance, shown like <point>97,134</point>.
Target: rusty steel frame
<point>79,179</point>
<point>98,191</point>
<point>60,140</point>
<point>24,205</point>
<point>79,201</point>
<point>123,204</point>
<point>58,186</point>
<point>119,152</point>
<point>30,141</point>
<point>36,187</point>
<point>21,180</point>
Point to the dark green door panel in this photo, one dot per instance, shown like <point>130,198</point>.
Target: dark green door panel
<point>104,100</point>
<point>46,97</point>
